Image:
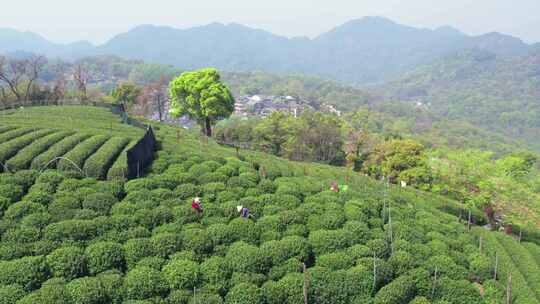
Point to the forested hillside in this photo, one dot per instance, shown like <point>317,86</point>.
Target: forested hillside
<point>366,50</point>
<point>494,93</point>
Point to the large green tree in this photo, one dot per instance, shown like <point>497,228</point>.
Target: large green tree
<point>126,93</point>
<point>202,96</point>
<point>274,131</point>
<point>400,160</point>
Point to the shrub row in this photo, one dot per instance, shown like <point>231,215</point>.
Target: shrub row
<point>524,262</point>
<point>25,156</point>
<point>98,164</point>
<point>57,150</point>
<point>520,287</point>
<point>4,129</point>
<point>81,152</point>
<point>534,250</point>
<point>10,148</point>
<point>119,168</point>
<point>6,136</point>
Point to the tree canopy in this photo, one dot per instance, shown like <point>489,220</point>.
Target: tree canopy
<point>202,96</point>
<point>126,93</point>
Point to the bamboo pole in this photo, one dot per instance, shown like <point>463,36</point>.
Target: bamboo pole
<point>434,283</point>
<point>509,289</point>
<point>374,272</point>
<point>496,265</point>
<point>469,221</point>
<point>480,245</point>
<point>306,284</point>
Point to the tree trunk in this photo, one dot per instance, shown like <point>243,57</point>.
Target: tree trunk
<point>208,127</point>
<point>160,108</point>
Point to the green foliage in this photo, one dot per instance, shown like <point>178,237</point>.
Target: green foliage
<point>126,93</point>
<point>53,291</point>
<point>87,290</point>
<point>24,157</point>
<point>11,147</point>
<point>202,96</point>
<point>77,156</point>
<point>11,293</point>
<point>401,290</point>
<point>98,164</point>
<point>119,169</point>
<point>28,272</point>
<point>182,274</point>
<point>67,262</point>
<point>57,150</point>
<point>326,241</point>
<point>99,202</point>
<point>143,283</point>
<point>244,293</point>
<point>243,257</point>
<point>103,256</point>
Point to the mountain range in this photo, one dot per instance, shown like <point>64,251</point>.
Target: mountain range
<point>362,51</point>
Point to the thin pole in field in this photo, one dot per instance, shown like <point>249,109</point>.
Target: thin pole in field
<point>496,265</point>
<point>306,283</point>
<point>509,289</point>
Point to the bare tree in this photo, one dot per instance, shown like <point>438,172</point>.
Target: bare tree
<point>3,94</point>
<point>159,96</point>
<point>12,74</point>
<point>80,75</point>
<point>34,67</point>
<point>60,83</point>
<point>153,98</point>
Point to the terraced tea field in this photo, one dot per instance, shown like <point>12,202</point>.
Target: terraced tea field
<point>67,239</point>
<point>85,141</point>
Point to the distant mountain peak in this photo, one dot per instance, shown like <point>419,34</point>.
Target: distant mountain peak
<point>449,30</point>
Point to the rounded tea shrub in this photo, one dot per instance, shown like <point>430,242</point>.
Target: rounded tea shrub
<point>143,283</point>
<point>104,256</point>
<point>99,202</point>
<point>244,293</point>
<point>11,293</point>
<point>181,274</point>
<point>243,257</point>
<point>87,290</point>
<point>137,249</point>
<point>67,262</point>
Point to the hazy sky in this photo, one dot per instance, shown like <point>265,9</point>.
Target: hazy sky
<point>99,20</point>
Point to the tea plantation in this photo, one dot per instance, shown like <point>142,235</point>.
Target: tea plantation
<point>83,141</point>
<point>71,240</point>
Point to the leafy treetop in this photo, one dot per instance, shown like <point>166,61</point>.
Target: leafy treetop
<point>126,93</point>
<point>202,96</point>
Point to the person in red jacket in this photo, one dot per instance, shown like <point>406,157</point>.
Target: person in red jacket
<point>196,204</point>
<point>334,187</point>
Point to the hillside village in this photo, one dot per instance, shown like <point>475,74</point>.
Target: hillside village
<point>253,106</point>
<point>261,105</point>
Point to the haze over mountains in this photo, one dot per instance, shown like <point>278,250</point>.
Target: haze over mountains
<point>366,50</point>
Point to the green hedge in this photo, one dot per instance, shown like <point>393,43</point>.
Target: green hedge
<point>521,288</point>
<point>10,148</point>
<point>57,150</point>
<point>25,156</point>
<point>81,152</point>
<point>99,163</point>
<point>4,129</point>
<point>119,168</point>
<point>11,134</point>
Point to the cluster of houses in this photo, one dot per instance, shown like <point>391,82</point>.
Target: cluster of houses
<point>250,106</point>
<point>262,106</point>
